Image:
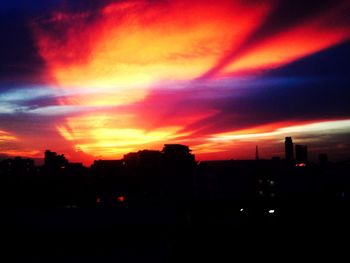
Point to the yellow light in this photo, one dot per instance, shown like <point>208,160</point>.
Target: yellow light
<point>101,135</point>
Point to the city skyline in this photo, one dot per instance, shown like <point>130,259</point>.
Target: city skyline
<point>294,154</point>
<point>98,80</point>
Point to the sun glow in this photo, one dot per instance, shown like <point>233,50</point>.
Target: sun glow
<point>99,136</point>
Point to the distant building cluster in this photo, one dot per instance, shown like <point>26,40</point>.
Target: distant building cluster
<point>172,179</point>
<point>301,152</point>
<point>175,154</point>
<point>17,166</point>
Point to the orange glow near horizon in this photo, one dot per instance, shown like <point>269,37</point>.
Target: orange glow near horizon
<point>282,128</point>
<point>229,144</point>
<point>109,143</point>
<point>99,136</point>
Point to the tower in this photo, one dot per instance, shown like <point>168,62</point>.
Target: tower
<point>289,149</point>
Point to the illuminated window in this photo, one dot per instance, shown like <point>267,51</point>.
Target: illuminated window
<point>121,198</point>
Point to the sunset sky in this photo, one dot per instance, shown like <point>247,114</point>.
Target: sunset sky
<point>98,79</point>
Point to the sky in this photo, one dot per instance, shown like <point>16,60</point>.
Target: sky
<point>99,79</point>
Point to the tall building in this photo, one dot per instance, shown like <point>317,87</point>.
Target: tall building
<point>301,153</point>
<point>289,149</point>
<point>178,166</point>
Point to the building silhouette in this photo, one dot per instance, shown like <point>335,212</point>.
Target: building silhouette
<point>105,168</point>
<point>178,169</point>
<point>177,153</point>
<point>54,162</point>
<point>143,159</point>
<point>323,159</point>
<point>17,166</point>
<point>301,153</point>
<point>289,149</point>
<point>170,186</point>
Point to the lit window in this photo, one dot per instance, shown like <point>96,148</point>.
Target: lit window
<point>121,198</point>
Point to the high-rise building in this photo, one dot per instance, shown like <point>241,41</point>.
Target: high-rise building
<point>301,153</point>
<point>289,149</point>
<point>178,166</point>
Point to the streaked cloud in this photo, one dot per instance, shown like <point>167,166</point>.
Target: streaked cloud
<point>5,137</point>
<point>107,77</point>
<point>261,133</point>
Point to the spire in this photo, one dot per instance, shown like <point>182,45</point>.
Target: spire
<point>257,153</point>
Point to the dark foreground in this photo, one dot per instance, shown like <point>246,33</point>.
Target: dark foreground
<point>221,211</point>
<point>210,233</point>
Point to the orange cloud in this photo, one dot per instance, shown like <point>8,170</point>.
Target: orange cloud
<point>303,39</point>
<point>9,146</point>
<point>6,137</point>
<point>130,46</point>
<point>126,49</point>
